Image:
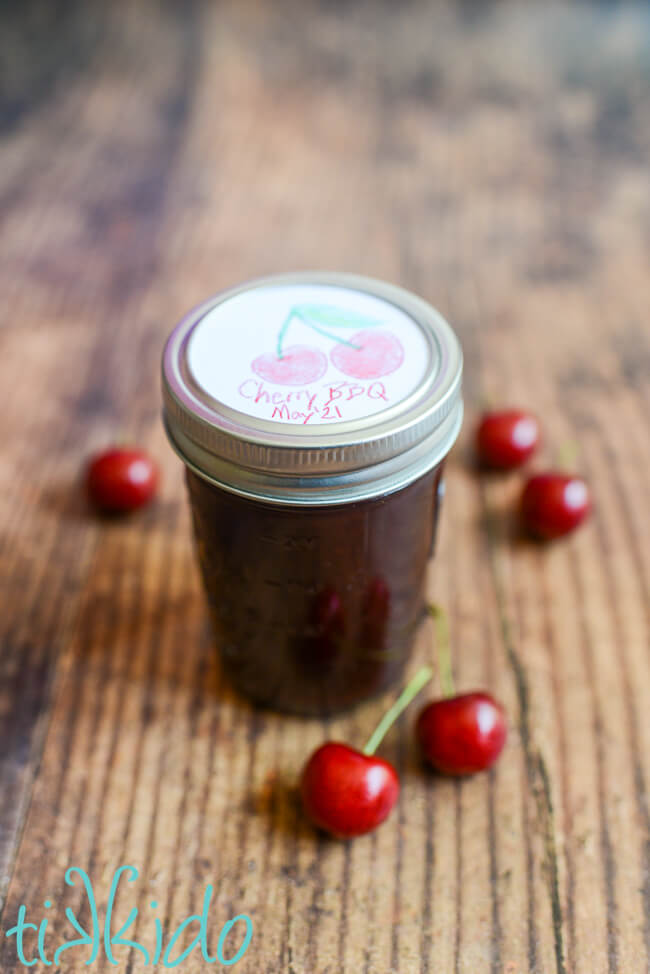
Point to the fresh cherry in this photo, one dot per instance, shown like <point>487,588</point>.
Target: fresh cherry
<point>348,792</point>
<point>505,439</point>
<point>553,504</point>
<point>297,366</point>
<point>462,734</point>
<point>369,354</point>
<point>121,479</point>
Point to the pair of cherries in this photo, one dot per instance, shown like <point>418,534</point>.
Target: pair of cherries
<point>348,792</point>
<point>553,503</point>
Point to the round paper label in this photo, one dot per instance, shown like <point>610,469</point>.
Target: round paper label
<point>308,354</point>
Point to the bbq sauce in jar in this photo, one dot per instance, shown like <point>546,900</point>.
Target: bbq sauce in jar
<point>313,413</point>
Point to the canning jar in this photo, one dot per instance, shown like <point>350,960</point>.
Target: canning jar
<point>313,413</point>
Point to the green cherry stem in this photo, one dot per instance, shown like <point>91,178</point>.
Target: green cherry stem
<point>306,320</point>
<point>327,334</point>
<point>439,617</point>
<point>567,456</point>
<point>485,403</point>
<point>408,694</point>
<point>283,331</point>
<point>122,439</point>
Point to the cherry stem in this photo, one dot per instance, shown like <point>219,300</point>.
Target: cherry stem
<point>310,324</point>
<point>567,455</point>
<point>327,334</point>
<point>408,694</point>
<point>486,403</point>
<point>283,331</point>
<point>121,440</point>
<point>439,617</point>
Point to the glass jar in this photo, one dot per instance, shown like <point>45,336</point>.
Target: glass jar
<point>313,413</point>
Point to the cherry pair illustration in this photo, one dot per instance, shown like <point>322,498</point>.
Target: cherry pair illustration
<point>553,503</point>
<point>348,792</point>
<point>369,353</point>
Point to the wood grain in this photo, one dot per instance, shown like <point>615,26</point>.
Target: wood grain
<point>492,157</point>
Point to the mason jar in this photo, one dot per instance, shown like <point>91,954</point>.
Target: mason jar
<point>313,413</point>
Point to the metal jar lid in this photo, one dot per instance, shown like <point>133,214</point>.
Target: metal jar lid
<point>312,388</point>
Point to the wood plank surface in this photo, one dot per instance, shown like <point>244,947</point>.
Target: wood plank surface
<point>493,157</point>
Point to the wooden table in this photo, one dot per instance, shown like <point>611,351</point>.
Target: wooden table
<point>492,157</point>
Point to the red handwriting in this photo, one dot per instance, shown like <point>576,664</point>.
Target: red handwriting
<point>303,405</point>
<point>283,413</point>
<point>255,390</point>
<point>350,390</point>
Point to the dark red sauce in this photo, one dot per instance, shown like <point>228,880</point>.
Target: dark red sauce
<point>314,608</point>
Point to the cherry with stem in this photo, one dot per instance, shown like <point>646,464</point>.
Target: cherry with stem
<point>348,792</point>
<point>459,734</point>
<point>555,502</point>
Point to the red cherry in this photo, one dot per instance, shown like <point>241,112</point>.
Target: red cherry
<point>121,479</point>
<point>506,439</point>
<point>376,353</point>
<point>462,734</point>
<point>553,504</point>
<point>349,792</point>
<point>346,792</point>
<point>299,365</point>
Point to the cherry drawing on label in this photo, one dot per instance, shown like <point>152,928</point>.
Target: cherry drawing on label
<point>367,354</point>
<point>298,365</point>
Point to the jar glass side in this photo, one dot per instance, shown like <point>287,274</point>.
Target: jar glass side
<point>314,608</point>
